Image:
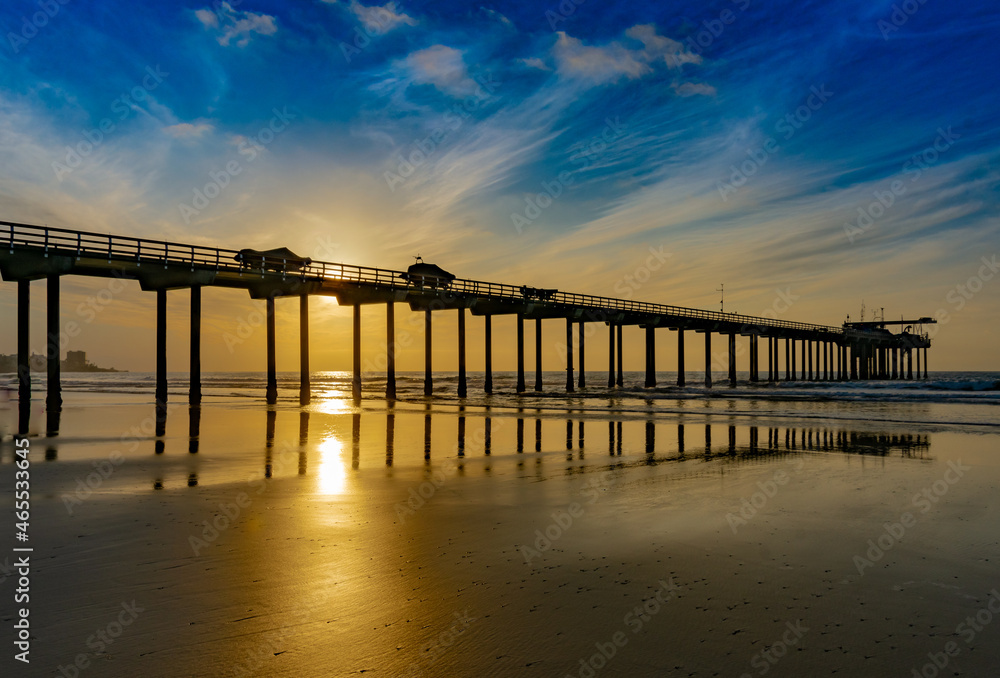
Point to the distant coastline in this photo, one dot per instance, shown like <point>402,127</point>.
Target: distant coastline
<point>76,361</point>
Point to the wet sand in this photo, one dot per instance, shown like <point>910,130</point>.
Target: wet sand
<point>330,544</point>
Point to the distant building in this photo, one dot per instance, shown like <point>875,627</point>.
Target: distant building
<point>76,361</point>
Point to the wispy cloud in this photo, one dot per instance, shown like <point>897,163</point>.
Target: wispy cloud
<point>440,66</point>
<point>232,24</point>
<point>380,19</point>
<point>616,60</point>
<point>187,130</point>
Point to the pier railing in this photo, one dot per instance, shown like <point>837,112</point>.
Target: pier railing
<point>140,251</point>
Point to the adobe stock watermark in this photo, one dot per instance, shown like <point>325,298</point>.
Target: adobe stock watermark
<point>901,13</point>
<point>893,532</point>
<point>784,299</point>
<point>711,30</point>
<point>245,326</point>
<point>122,107</point>
<point>630,283</point>
<point>563,11</point>
<point>635,620</point>
<point>102,639</point>
<point>584,154</point>
<point>250,148</point>
<point>231,512</point>
<point>420,494</point>
<point>961,294</point>
<point>787,127</point>
<point>913,169</point>
<point>765,660</point>
<point>968,629</point>
<point>441,644</point>
<point>377,22</point>
<point>563,519</point>
<point>103,469</point>
<point>30,26</point>
<point>766,490</point>
<point>453,120</point>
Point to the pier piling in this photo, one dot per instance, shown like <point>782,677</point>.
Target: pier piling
<point>680,357</point>
<point>194,368</point>
<point>390,348</point>
<point>53,401</point>
<point>463,387</point>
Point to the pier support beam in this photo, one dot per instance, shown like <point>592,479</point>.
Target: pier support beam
<point>621,350</point>
<point>909,363</point>
<point>520,354</point>
<point>463,386</point>
<point>271,392</point>
<point>428,364</point>
<point>772,360</point>
<point>488,380</point>
<point>794,361</point>
<point>826,360</point>
<point>680,357</point>
<point>582,381</point>
<point>808,348</point>
<point>356,354</point>
<point>305,375</point>
<point>925,363</point>
<point>732,360</point>
<point>918,363</point>
<point>569,355</point>
<point>788,359</point>
<point>650,357</point>
<point>161,347</point>
<point>894,352</point>
<point>23,355</point>
<point>538,354</point>
<point>854,362</point>
<point>194,369</point>
<point>53,401</point>
<point>611,355</point>
<point>708,359</point>
<point>754,359</point>
<point>390,347</point>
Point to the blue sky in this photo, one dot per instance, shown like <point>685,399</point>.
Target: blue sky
<point>553,145</point>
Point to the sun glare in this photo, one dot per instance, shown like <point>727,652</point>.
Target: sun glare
<point>332,473</point>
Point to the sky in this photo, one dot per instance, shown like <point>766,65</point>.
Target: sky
<point>810,157</point>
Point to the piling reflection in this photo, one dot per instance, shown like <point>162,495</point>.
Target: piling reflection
<point>23,415</point>
<point>390,437</point>
<point>303,441</point>
<point>484,442</point>
<point>427,433</point>
<point>272,416</point>
<point>161,418</point>
<point>356,439</point>
<point>52,416</point>
<point>194,428</point>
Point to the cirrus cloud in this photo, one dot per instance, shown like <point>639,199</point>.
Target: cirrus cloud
<point>230,23</point>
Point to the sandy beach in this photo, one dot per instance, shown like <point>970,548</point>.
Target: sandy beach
<point>332,541</point>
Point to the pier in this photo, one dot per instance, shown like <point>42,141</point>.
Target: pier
<point>811,352</point>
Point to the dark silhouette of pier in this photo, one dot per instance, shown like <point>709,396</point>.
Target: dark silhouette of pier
<point>812,352</point>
